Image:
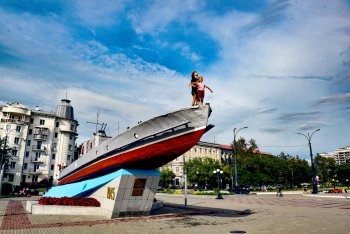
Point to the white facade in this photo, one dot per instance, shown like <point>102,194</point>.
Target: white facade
<point>200,150</point>
<point>43,141</point>
<point>342,155</point>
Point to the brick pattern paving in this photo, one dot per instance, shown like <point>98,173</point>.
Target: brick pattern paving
<point>284,201</point>
<point>16,217</point>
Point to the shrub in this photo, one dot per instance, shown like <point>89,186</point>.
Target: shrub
<point>69,201</point>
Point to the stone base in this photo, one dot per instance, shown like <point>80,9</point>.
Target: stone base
<point>34,207</point>
<point>129,193</point>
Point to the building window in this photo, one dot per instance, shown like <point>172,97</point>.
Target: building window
<point>14,152</point>
<point>27,154</point>
<point>37,154</point>
<point>11,177</point>
<point>16,141</point>
<point>69,147</point>
<point>72,127</point>
<point>25,166</point>
<point>13,165</point>
<point>24,178</point>
<point>57,124</point>
<point>54,146</point>
<point>18,128</point>
<point>30,131</point>
<point>28,142</point>
<point>42,122</point>
<point>70,137</point>
<point>177,169</point>
<point>53,157</point>
<point>56,134</point>
<point>52,167</point>
<point>31,120</point>
<point>35,179</point>
<point>68,158</point>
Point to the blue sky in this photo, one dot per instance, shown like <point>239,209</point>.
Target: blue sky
<point>278,67</point>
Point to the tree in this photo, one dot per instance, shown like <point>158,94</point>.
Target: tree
<point>166,178</point>
<point>5,156</point>
<point>200,171</point>
<point>5,152</point>
<point>325,167</point>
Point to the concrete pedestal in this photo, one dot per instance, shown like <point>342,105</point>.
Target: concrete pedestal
<point>122,193</point>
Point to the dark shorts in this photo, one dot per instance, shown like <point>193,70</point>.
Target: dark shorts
<point>194,91</point>
<point>200,95</point>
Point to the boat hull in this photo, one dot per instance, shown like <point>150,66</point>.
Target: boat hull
<point>152,150</point>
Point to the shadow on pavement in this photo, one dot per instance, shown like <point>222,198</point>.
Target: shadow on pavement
<point>170,208</point>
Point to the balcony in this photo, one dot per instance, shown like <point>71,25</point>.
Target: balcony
<point>16,121</point>
<point>37,159</point>
<point>40,137</point>
<point>40,134</point>
<point>39,148</point>
<point>37,171</point>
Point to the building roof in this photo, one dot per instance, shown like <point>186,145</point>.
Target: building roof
<point>229,147</point>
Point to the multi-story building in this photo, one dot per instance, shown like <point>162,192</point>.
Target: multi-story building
<point>222,153</point>
<point>42,141</point>
<point>201,150</point>
<point>342,155</point>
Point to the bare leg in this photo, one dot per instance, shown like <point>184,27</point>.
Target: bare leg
<point>194,99</point>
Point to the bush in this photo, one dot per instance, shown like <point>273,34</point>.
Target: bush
<point>69,201</point>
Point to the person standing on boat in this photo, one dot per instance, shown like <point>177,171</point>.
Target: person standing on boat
<point>193,85</point>
<point>200,90</point>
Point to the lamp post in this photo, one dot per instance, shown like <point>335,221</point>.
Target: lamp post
<point>314,181</point>
<point>218,173</point>
<point>3,155</point>
<point>333,180</point>
<point>235,157</point>
<point>185,178</point>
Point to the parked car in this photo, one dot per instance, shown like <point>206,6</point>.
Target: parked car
<point>335,191</point>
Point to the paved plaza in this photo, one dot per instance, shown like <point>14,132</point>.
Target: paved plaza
<point>293,213</point>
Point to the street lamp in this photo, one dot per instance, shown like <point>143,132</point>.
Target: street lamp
<point>218,173</point>
<point>314,181</point>
<point>333,180</point>
<point>3,155</point>
<point>235,158</point>
<point>347,182</point>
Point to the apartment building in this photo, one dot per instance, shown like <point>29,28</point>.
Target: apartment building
<point>201,150</point>
<point>342,155</point>
<point>42,141</point>
<point>220,152</point>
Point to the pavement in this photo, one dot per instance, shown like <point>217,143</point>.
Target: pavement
<point>292,213</point>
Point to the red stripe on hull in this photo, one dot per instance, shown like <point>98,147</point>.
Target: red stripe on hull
<point>148,157</point>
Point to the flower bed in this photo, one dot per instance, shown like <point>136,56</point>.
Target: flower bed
<point>69,201</point>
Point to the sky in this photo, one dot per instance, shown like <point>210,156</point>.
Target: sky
<point>279,67</point>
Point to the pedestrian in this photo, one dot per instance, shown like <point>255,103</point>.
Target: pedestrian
<point>193,84</point>
<point>200,90</point>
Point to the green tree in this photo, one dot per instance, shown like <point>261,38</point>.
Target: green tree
<point>200,171</point>
<point>166,178</point>
<point>5,153</point>
<point>325,168</point>
<point>343,173</point>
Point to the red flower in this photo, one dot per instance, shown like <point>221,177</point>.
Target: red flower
<point>69,201</point>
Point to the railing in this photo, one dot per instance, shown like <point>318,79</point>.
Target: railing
<point>35,159</point>
<point>18,121</point>
<point>37,171</point>
<point>38,148</point>
<point>40,137</point>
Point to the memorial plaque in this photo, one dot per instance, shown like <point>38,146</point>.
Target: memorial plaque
<point>139,186</point>
<point>110,193</point>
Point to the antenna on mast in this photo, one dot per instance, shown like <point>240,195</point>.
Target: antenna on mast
<point>104,125</point>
